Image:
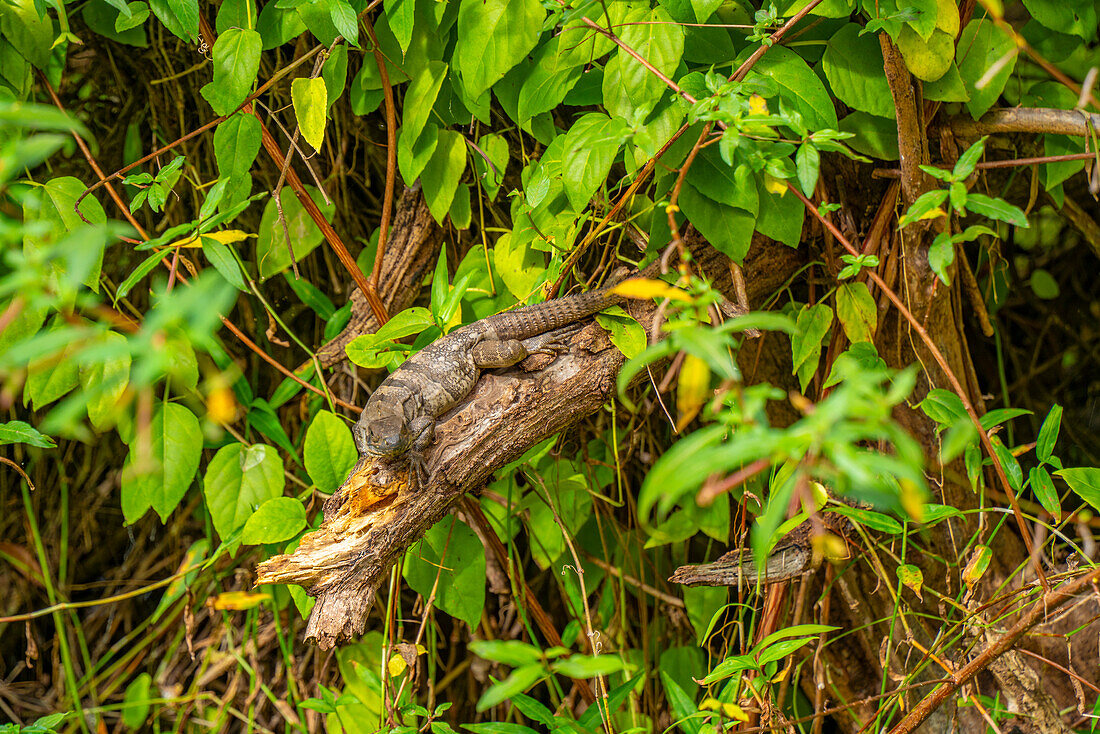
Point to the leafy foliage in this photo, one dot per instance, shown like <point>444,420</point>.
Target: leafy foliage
<point>548,139</point>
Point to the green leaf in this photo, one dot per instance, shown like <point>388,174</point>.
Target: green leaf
<point>729,229</point>
<point>272,255</point>
<point>310,98</point>
<point>588,666</point>
<point>329,451</point>
<point>552,74</point>
<point>924,207</point>
<point>419,99</point>
<point>453,553</point>
<point>276,520</point>
<point>993,208</point>
<point>799,87</point>
<point>519,681</point>
<point>31,34</point>
<point>509,652</point>
<point>235,14</point>
<point>1085,482</point>
<point>1048,433</point>
<point>854,67</point>
<point>236,61</point>
<point>344,18</point>
<point>180,17</point>
<point>494,36</point>
<point>780,216</point>
<point>520,266</point>
<point>105,379</point>
<point>1043,284</point>
<point>876,521</point>
<point>941,256</point>
<point>236,143</point>
<point>157,474</point>
<point>443,172</point>
<point>813,325</point>
<point>144,268</point>
<point>238,480</point>
<point>402,16</point>
<point>223,261</point>
<point>1043,487</point>
<point>335,72</point>
<point>591,146</point>
<point>702,604</point>
<point>631,90</point>
<point>1072,17</point>
<point>623,330</point>
<point>944,407</point>
<point>733,186</point>
<point>490,173</point>
<point>22,432</point>
<point>857,312</point>
<point>807,163</point>
<point>981,45</point>
<point>58,209</point>
<point>874,136</point>
<point>135,704</point>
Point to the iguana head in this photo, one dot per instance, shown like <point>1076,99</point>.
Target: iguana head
<point>388,436</point>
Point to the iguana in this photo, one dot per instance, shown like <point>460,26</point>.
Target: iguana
<point>400,415</point>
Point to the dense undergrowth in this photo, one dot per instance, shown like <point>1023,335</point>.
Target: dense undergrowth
<point>912,398</point>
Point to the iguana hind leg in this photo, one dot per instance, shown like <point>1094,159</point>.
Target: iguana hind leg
<point>507,352</point>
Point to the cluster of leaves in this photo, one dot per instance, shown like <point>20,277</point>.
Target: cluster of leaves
<point>561,93</point>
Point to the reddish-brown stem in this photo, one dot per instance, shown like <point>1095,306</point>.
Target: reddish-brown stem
<point>1039,611</point>
<point>329,233</point>
<point>930,344</point>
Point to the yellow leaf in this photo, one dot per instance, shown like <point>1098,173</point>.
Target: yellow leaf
<point>642,288</point>
<point>979,562</point>
<point>237,601</point>
<point>396,666</point>
<point>225,236</point>
<point>758,105</point>
<point>934,213</point>
<point>692,389</point>
<point>221,405</point>
<point>775,185</point>
<point>912,577</point>
<point>310,100</point>
<point>829,546</point>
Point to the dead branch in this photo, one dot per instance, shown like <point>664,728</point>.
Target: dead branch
<point>374,517</point>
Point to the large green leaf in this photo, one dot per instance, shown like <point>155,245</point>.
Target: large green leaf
<point>158,474</point>
<point>28,32</point>
<point>105,379</point>
<point>236,61</point>
<point>591,146</point>
<point>443,172</point>
<point>981,45</point>
<point>181,17</point>
<point>276,520</point>
<point>714,178</point>
<point>493,36</point>
<point>553,72</point>
<point>329,451</point>
<point>630,89</point>
<point>236,143</point>
<point>799,87</point>
<point>729,229</point>
<point>454,553</point>
<point>272,255</point>
<point>238,480</point>
<point>57,207</point>
<point>853,65</point>
<point>419,99</point>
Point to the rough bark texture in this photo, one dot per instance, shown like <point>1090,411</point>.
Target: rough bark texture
<point>376,515</point>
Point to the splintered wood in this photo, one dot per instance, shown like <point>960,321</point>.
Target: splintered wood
<point>367,498</point>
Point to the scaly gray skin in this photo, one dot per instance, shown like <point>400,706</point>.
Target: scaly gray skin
<point>400,415</point>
